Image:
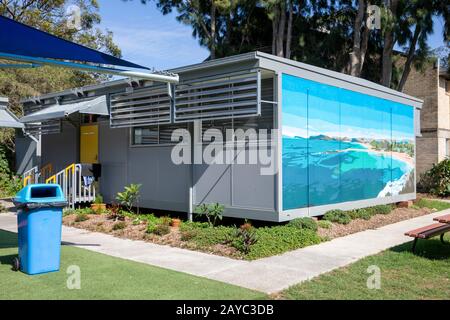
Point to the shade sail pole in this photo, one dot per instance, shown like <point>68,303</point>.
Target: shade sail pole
<point>168,78</point>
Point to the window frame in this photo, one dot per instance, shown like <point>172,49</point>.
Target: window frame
<point>132,143</point>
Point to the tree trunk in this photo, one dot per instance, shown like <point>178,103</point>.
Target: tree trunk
<point>410,58</point>
<point>355,55</point>
<point>289,30</point>
<point>274,29</point>
<point>364,45</point>
<point>281,29</point>
<point>389,42</point>
<point>212,39</point>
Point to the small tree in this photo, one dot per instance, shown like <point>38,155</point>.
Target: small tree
<point>130,196</point>
<point>436,180</point>
<point>213,212</point>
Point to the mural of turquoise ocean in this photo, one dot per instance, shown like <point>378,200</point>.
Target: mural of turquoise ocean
<point>340,145</point>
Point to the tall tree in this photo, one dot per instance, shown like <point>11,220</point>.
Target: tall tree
<point>420,13</point>
<point>389,26</point>
<point>361,35</point>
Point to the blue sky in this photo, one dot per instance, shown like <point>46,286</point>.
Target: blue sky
<point>148,38</point>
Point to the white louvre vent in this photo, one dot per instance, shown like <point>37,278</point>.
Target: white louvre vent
<point>142,107</point>
<point>228,97</point>
<point>47,127</point>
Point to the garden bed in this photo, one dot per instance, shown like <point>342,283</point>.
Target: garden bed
<point>377,221</point>
<point>244,242</point>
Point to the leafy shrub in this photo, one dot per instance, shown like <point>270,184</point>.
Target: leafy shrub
<point>245,239</point>
<point>338,216</point>
<point>158,226</point>
<point>278,239</point>
<point>84,211</point>
<point>151,227</point>
<point>151,218</point>
<point>304,223</point>
<point>213,212</point>
<point>136,221</point>
<point>188,235</point>
<point>165,220</point>
<point>68,212</point>
<point>116,213</point>
<point>432,204</point>
<point>161,229</point>
<point>130,196</point>
<point>81,217</point>
<point>367,213</point>
<point>324,224</point>
<point>436,180</point>
<point>204,236</point>
<point>9,183</point>
<point>119,225</point>
<point>98,199</point>
<point>382,209</point>
<point>364,213</point>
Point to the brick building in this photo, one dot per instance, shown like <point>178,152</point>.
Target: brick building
<point>433,86</point>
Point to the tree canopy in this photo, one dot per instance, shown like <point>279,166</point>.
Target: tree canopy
<point>51,16</point>
<point>333,34</point>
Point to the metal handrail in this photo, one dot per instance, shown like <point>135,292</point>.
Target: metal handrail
<point>71,181</point>
<point>31,176</point>
<point>46,171</point>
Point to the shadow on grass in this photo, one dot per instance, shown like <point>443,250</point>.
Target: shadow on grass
<point>8,239</point>
<point>66,243</point>
<point>432,249</point>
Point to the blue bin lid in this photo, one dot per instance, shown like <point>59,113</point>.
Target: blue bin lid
<point>40,193</point>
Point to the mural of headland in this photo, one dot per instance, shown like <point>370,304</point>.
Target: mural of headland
<point>339,145</point>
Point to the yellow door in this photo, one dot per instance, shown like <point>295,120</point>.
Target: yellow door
<point>89,144</point>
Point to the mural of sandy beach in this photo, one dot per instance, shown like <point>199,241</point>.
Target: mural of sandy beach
<point>401,156</point>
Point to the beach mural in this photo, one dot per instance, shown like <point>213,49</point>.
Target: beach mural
<point>340,145</point>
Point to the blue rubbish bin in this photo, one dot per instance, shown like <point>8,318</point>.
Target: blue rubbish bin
<point>39,220</point>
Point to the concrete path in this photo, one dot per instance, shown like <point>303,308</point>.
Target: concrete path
<point>267,275</point>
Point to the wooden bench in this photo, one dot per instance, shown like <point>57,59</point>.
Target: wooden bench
<point>443,219</point>
<point>427,232</point>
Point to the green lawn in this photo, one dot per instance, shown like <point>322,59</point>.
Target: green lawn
<point>404,275</point>
<point>105,277</point>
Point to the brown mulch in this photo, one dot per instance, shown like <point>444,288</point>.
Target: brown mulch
<point>430,196</point>
<point>102,223</point>
<point>377,221</point>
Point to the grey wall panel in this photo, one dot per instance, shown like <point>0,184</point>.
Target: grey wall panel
<point>61,149</point>
<point>25,153</point>
<point>164,184</point>
<point>251,189</point>
<point>112,181</point>
<point>212,183</point>
<point>112,154</point>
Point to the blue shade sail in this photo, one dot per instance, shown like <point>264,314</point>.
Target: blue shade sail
<point>19,39</point>
<point>339,145</point>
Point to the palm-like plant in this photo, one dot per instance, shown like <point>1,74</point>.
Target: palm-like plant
<point>130,196</point>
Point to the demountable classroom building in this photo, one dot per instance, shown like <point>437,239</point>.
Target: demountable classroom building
<point>341,142</point>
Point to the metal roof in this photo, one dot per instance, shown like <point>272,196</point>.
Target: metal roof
<point>58,111</point>
<point>300,67</point>
<point>7,118</point>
